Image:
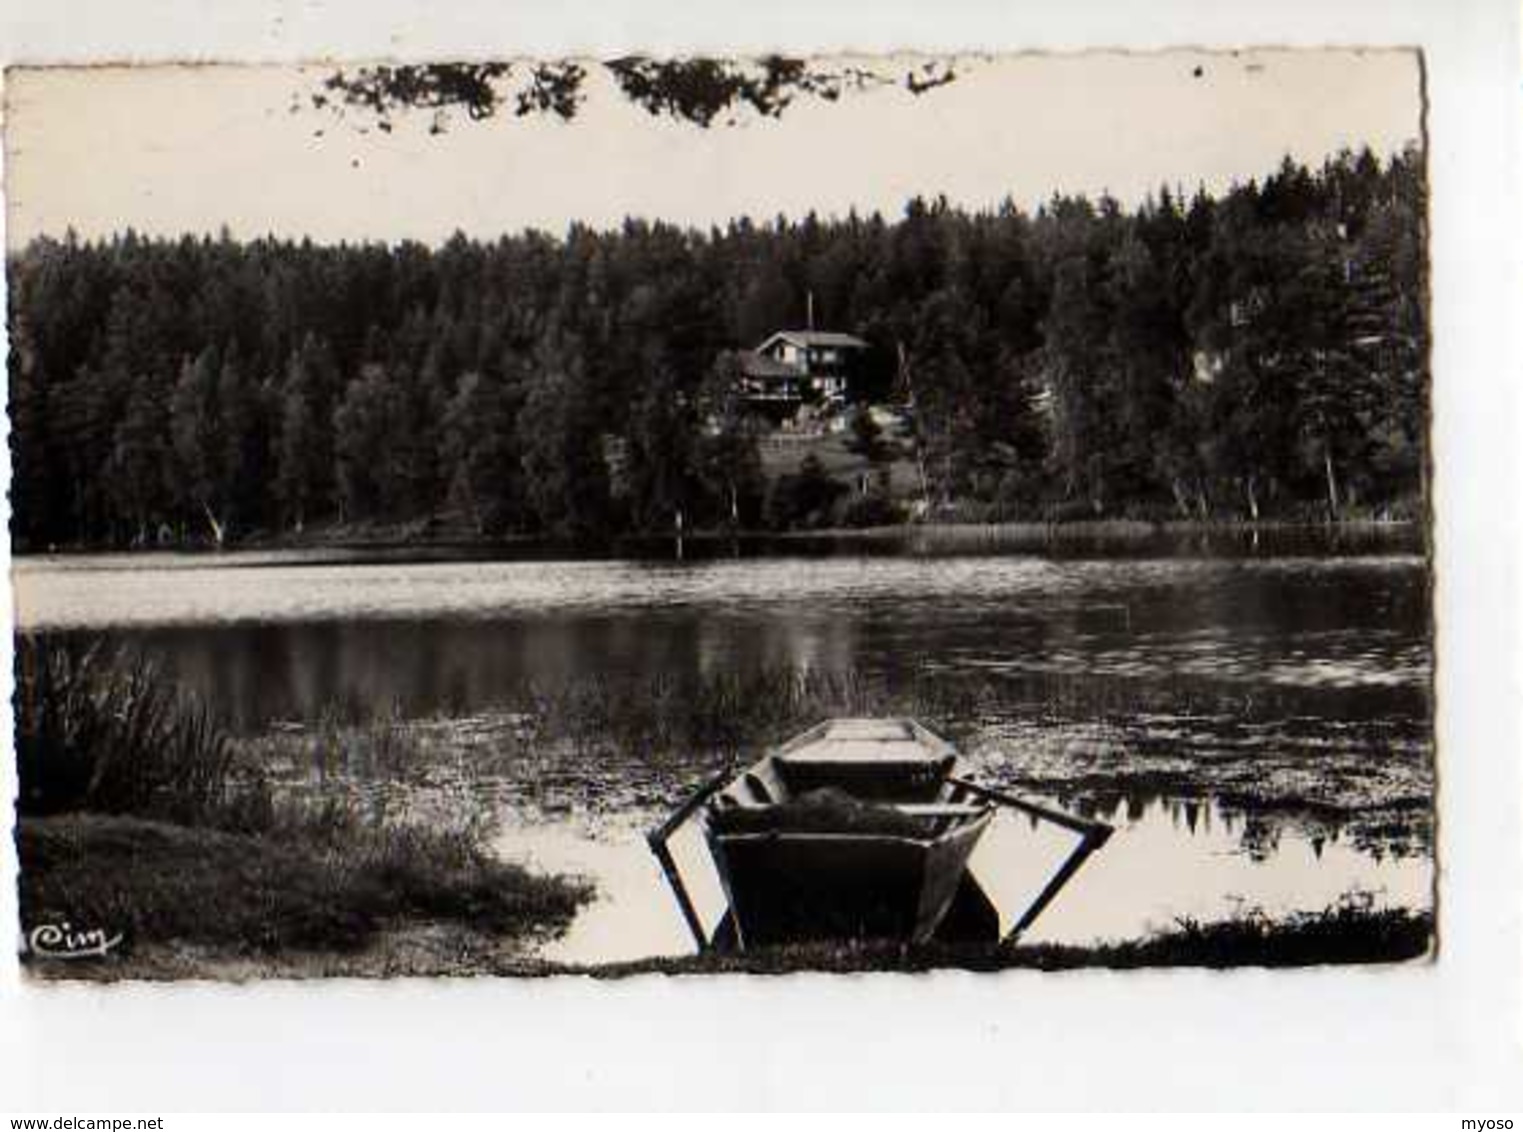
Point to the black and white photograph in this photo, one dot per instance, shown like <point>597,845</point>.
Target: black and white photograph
<point>704,514</point>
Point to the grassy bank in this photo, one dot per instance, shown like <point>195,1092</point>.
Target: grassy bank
<point>173,891</point>
<point>1344,935</point>
<point>139,818</point>
<point>1347,934</point>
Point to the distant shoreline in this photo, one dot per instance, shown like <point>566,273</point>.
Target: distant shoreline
<point>925,535</point>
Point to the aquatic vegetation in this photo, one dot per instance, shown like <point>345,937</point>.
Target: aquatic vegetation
<point>628,746</point>
<point>598,743</point>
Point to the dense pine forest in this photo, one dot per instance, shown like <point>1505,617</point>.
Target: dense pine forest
<point>1255,355</point>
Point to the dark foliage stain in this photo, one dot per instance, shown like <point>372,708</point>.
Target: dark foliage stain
<point>929,77</point>
<point>386,89</point>
<point>699,91</point>
<point>553,87</point>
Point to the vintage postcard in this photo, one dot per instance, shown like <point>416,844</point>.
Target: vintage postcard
<point>721,514</point>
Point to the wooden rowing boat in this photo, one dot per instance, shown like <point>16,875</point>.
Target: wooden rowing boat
<point>852,830</point>
<point>856,829</point>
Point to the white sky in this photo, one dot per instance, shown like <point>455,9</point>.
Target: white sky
<point>174,149</point>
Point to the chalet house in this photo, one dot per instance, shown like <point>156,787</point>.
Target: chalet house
<point>795,367</point>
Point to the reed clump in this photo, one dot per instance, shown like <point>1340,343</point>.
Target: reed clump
<point>731,712</point>
<point>97,730</point>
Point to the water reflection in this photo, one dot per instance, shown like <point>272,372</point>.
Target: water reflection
<point>1169,860</point>
<point>283,641</point>
<point>1198,860</point>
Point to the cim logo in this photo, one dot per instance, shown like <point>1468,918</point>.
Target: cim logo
<point>65,941</point>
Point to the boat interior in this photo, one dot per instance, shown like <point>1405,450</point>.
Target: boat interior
<point>865,777</point>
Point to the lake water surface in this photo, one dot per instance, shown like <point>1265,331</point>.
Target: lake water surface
<point>1257,725</point>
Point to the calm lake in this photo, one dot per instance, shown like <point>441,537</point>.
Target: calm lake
<point>1255,720</point>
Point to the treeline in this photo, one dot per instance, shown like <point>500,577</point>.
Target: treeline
<point>1262,353</point>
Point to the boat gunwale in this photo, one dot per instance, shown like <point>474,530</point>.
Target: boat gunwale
<point>897,838</point>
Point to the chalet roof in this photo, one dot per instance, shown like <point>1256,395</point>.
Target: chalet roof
<point>816,338</point>
<point>753,364</point>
